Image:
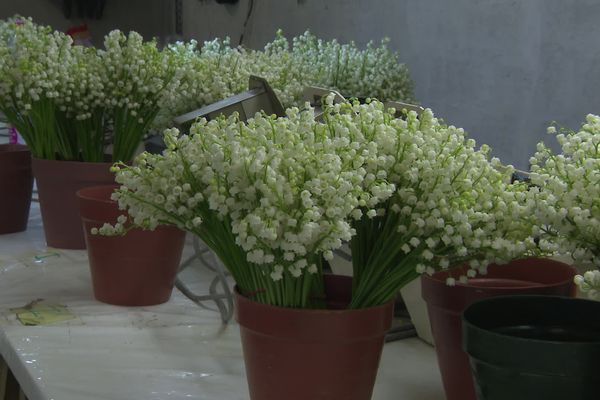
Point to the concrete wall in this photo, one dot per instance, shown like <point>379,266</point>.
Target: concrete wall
<point>151,18</point>
<point>502,69</point>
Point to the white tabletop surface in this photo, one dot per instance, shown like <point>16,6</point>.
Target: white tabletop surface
<point>177,350</point>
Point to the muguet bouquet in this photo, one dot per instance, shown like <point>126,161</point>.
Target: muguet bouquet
<point>34,70</point>
<point>273,197</point>
<point>375,71</point>
<point>217,70</point>
<point>208,74</point>
<point>139,81</point>
<point>75,103</point>
<point>451,204</point>
<point>567,197</point>
<point>269,197</point>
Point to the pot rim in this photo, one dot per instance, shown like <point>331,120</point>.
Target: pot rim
<point>301,323</point>
<point>314,311</point>
<point>439,277</point>
<point>84,195</point>
<point>66,162</point>
<point>14,148</point>
<point>469,325</point>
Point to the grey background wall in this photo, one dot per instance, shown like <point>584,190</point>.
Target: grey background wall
<point>502,69</point>
<point>151,18</point>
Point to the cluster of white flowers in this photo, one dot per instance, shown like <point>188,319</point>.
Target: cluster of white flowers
<point>452,204</point>
<point>212,73</point>
<point>34,65</point>
<point>590,283</point>
<point>566,199</point>
<point>278,192</point>
<point>64,98</point>
<point>83,91</point>
<point>452,198</point>
<point>375,71</point>
<point>218,70</point>
<point>52,91</point>
<point>283,191</point>
<point>139,80</point>
<point>68,100</point>
<point>119,228</point>
<point>137,76</point>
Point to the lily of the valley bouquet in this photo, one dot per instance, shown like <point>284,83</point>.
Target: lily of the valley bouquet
<point>273,197</point>
<point>218,70</point>
<point>34,67</point>
<point>269,197</point>
<point>139,81</point>
<point>75,103</point>
<point>567,198</point>
<point>374,71</point>
<point>452,204</point>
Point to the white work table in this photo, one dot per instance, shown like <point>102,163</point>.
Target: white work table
<point>177,350</point>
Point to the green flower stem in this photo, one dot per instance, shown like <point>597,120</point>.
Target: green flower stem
<point>398,273</point>
<point>378,262</point>
<point>43,129</point>
<point>380,265</point>
<point>403,273</point>
<point>88,134</point>
<point>51,134</point>
<point>389,292</point>
<point>129,132</point>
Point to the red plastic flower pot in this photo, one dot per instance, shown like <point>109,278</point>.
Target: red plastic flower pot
<point>16,182</point>
<point>136,269</point>
<point>57,183</point>
<point>445,305</point>
<point>301,354</point>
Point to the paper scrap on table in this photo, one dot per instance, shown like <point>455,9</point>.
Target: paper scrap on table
<point>38,313</point>
<point>39,258</point>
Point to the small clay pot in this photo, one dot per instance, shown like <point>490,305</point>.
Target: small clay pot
<point>57,183</point>
<point>16,182</point>
<point>136,269</point>
<point>300,354</point>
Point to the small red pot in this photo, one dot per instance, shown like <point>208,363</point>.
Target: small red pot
<point>445,305</point>
<point>136,269</point>
<point>16,182</point>
<point>57,183</point>
<point>301,354</point>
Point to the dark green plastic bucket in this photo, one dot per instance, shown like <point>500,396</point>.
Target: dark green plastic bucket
<point>534,348</point>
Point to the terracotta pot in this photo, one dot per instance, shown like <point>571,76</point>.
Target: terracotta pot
<point>16,182</point>
<point>534,347</point>
<point>446,304</point>
<point>57,183</point>
<point>136,269</point>
<point>300,354</point>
